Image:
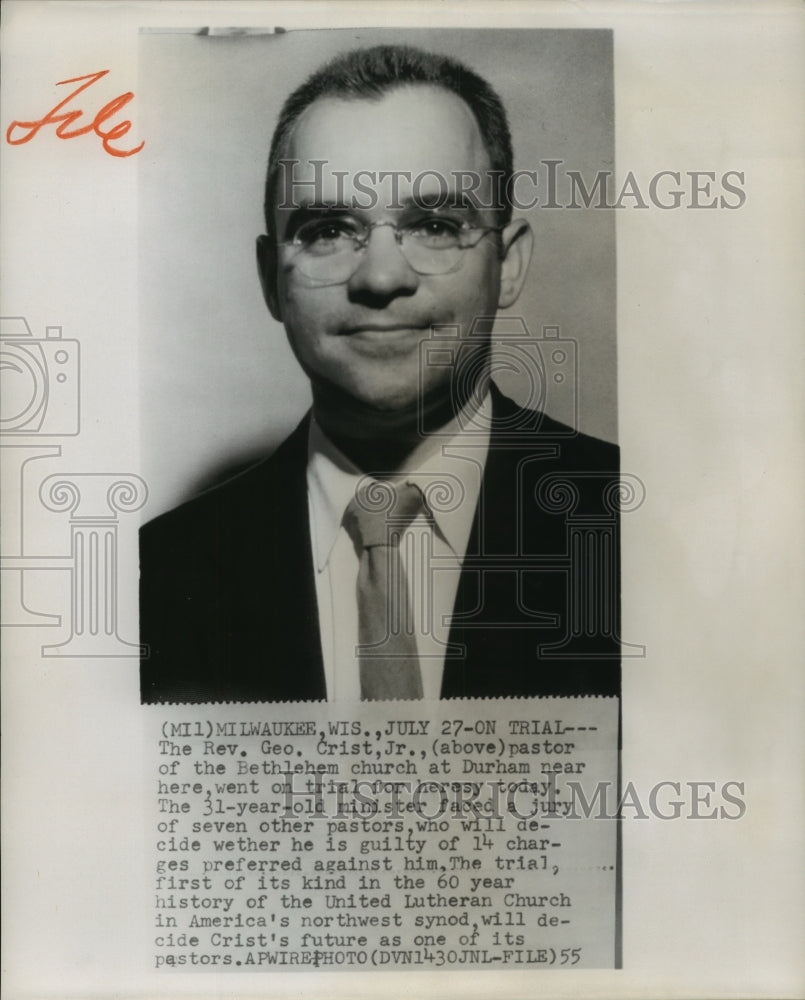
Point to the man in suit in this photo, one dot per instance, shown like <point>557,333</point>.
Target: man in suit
<point>390,246</point>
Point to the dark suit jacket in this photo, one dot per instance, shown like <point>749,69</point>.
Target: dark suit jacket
<point>228,600</point>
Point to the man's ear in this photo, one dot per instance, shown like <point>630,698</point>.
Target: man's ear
<point>267,269</point>
<point>517,242</point>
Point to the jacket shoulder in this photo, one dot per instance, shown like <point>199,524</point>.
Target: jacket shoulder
<point>252,493</point>
<point>517,427</point>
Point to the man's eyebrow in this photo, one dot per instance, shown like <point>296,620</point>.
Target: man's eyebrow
<point>450,199</point>
<point>465,201</point>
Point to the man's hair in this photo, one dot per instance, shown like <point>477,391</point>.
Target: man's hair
<point>371,73</point>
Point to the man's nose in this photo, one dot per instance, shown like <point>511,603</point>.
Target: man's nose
<point>383,271</point>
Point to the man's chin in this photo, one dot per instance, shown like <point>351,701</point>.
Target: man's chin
<point>374,409</point>
<point>387,409</point>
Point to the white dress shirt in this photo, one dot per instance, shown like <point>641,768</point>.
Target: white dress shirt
<point>432,549</point>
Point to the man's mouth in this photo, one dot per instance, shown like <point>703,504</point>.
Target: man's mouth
<point>385,340</point>
<point>383,329</point>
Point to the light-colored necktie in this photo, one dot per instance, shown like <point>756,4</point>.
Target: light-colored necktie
<point>376,519</point>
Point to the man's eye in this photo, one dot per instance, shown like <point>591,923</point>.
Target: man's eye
<point>326,232</point>
<point>436,230</point>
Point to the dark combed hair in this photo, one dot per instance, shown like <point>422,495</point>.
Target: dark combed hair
<point>372,72</point>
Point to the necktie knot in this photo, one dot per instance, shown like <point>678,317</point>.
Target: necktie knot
<point>380,512</point>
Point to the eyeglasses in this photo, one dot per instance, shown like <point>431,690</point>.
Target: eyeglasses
<point>329,250</point>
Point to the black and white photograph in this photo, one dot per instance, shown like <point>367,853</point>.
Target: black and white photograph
<point>409,256</point>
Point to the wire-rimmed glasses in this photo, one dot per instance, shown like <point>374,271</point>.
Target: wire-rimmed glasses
<point>329,249</point>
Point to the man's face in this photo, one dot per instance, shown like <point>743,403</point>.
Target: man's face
<point>362,337</point>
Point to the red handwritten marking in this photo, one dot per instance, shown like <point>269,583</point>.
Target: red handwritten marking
<point>65,120</point>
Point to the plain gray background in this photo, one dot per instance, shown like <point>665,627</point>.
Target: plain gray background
<point>218,383</point>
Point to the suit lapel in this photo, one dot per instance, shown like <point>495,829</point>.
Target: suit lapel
<point>496,659</point>
<point>299,672</point>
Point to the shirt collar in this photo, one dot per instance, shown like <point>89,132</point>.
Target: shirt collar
<point>332,479</point>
